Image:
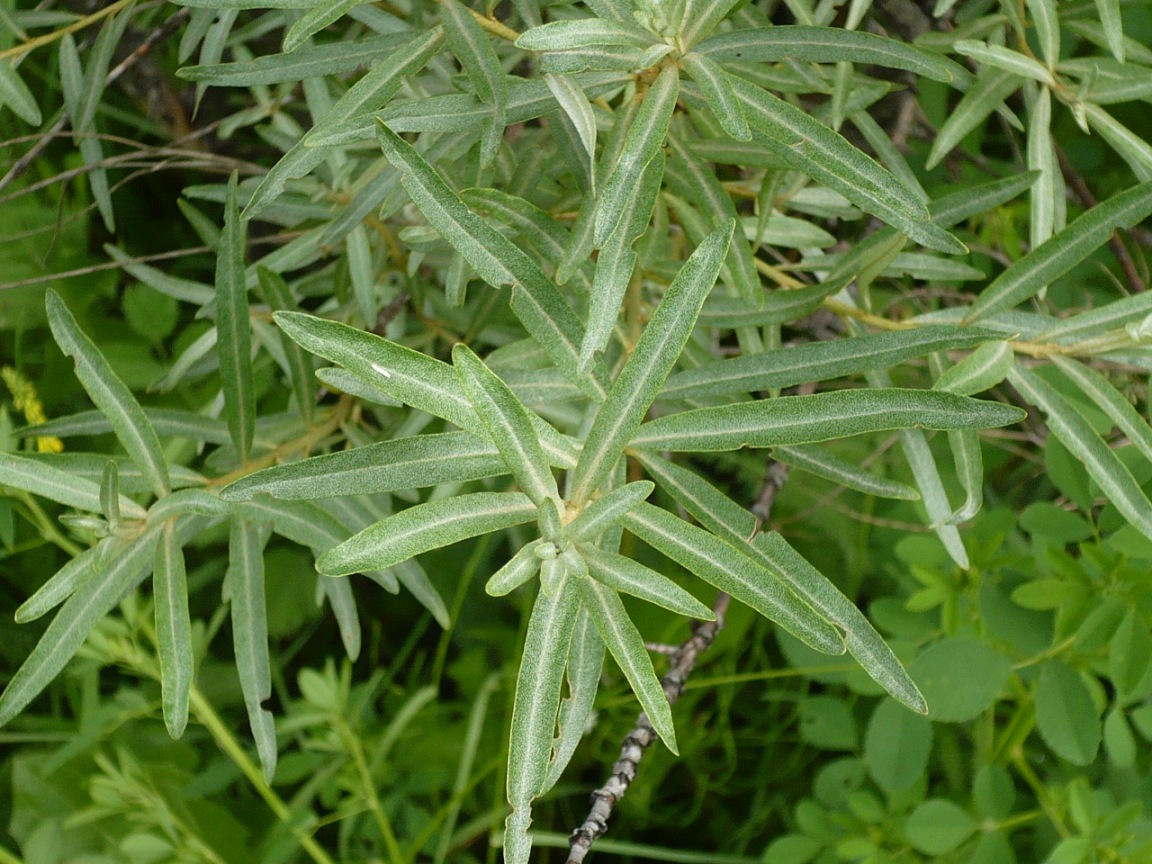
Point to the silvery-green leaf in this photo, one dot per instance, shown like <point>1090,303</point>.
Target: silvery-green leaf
<point>508,423</point>
<point>649,364</point>
<point>413,577</point>
<point>627,647</point>
<point>1132,147</point>
<point>59,485</point>
<point>820,417</point>
<point>278,296</point>
<point>1052,259</point>
<point>830,45</point>
<point>473,48</point>
<point>981,370</point>
<point>245,579</point>
<point>15,94</point>
<point>585,663</point>
<point>712,81</point>
<point>234,342</point>
<point>574,103</point>
<point>534,711</point>
<point>425,527</point>
<point>962,204</point>
<point>313,21</point>
<point>601,513</point>
<point>631,577</point>
<point>991,88</point>
<point>720,514</point>
<point>808,145</point>
<point>1077,434</point>
<point>93,598</point>
<point>722,565</point>
<point>644,138</point>
<point>387,466</point>
<point>309,62</point>
<point>778,307</point>
<point>1047,23</point>
<point>617,261</point>
<point>110,395</point>
<point>519,569</point>
<point>701,17</point>
<point>583,33</point>
<point>817,461</point>
<point>818,361</point>
<point>173,630</point>
<point>1112,25</point>
<point>1006,59</point>
<point>1104,395</point>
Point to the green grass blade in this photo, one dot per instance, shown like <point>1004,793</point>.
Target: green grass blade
<point>425,527</point>
<point>1052,259</point>
<point>404,463</point>
<point>534,710</point>
<point>725,567</point>
<point>234,346</point>
<point>509,426</point>
<point>653,358</point>
<point>173,629</point>
<point>110,395</point>
<point>245,580</point>
<point>627,648</point>
<point>792,420</point>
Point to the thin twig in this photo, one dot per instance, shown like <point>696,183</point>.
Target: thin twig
<point>681,663</point>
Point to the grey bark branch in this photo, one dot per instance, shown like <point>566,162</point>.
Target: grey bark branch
<point>681,662</point>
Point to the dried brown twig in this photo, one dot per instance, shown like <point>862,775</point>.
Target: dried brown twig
<point>682,660</point>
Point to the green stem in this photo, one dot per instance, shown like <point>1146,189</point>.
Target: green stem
<point>352,743</point>
<point>227,742</point>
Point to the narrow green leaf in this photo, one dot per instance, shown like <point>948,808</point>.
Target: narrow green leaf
<point>806,144</point>
<point>15,94</point>
<point>720,564</point>
<point>820,417</point>
<point>701,17</point>
<point>110,493</point>
<point>574,103</point>
<point>927,475</point>
<point>605,511</point>
<point>93,598</point>
<point>508,425</point>
<point>1006,59</point>
<point>631,577</point>
<point>969,461</point>
<point>278,296</point>
<point>534,710</point>
<point>1075,433</point>
<point>818,361</point>
<point>110,395</point>
<point>310,62</point>
<point>1047,23</point>
<point>1051,260</point>
<point>535,300</point>
<point>583,33</point>
<point>817,461</point>
<point>653,358</point>
<point>723,516</point>
<point>315,20</point>
<point>425,527</point>
<point>173,630</point>
<point>831,45</point>
<point>1132,147</point>
<point>778,307</point>
<point>712,81</point>
<point>644,138</point>
<point>520,568</point>
<point>63,582</point>
<point>474,50</point>
<point>981,370</point>
<point>972,200</point>
<point>991,88</point>
<point>1104,395</point>
<point>388,466</point>
<point>343,603</point>
<point>61,486</point>
<point>616,262</point>
<point>585,664</point>
<point>234,345</point>
<point>1113,26</point>
<point>245,580</point>
<point>627,648</point>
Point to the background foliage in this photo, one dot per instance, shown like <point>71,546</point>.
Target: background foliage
<point>815,229</point>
